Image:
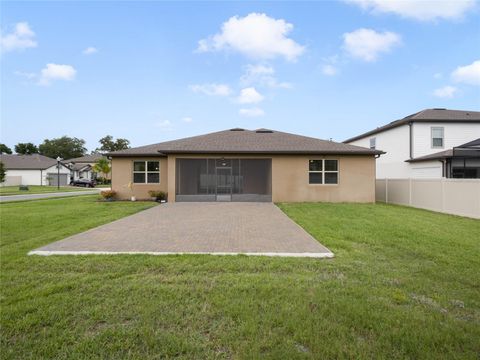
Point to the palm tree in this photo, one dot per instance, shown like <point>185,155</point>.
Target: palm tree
<point>102,166</point>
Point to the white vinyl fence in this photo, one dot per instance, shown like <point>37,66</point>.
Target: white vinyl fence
<point>452,196</point>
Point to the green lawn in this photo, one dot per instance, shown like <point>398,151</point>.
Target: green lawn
<point>36,189</point>
<point>404,284</point>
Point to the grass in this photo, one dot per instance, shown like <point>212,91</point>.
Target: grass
<point>36,189</point>
<point>404,285</point>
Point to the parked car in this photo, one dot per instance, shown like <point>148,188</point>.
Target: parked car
<point>84,182</point>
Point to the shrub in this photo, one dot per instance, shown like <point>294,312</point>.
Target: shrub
<point>158,195</point>
<point>108,194</point>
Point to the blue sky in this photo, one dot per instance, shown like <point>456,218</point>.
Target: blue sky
<point>162,70</point>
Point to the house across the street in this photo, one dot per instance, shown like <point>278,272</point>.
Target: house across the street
<point>33,169</point>
<point>423,145</point>
<point>82,167</point>
<point>247,165</point>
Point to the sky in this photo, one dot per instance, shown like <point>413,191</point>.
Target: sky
<point>155,71</point>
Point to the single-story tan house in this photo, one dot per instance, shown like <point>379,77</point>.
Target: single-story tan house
<point>247,165</point>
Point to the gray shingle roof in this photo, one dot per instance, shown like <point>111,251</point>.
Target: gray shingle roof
<point>27,162</point>
<point>427,115</point>
<point>435,156</point>
<point>85,159</point>
<point>261,141</point>
<point>472,146</point>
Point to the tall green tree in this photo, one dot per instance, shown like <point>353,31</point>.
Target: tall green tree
<point>26,148</point>
<point>65,147</point>
<point>2,172</point>
<point>107,144</point>
<point>4,149</point>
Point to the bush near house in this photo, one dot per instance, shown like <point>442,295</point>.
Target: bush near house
<point>158,195</point>
<point>108,194</point>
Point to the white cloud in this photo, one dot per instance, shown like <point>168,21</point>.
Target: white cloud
<point>468,74</point>
<point>211,89</point>
<point>253,112</point>
<point>329,70</point>
<point>249,96</point>
<point>54,72</point>
<point>418,9</point>
<point>262,75</point>
<point>257,36</point>
<point>445,92</point>
<point>90,50</point>
<point>367,44</point>
<point>164,125</point>
<point>187,119</point>
<point>21,38</point>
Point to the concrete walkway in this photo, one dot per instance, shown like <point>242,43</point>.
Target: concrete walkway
<point>50,195</point>
<point>199,228</point>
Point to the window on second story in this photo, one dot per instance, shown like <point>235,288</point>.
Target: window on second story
<point>437,137</point>
<point>373,143</point>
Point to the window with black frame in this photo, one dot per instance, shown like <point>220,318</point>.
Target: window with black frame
<point>323,171</point>
<point>146,172</point>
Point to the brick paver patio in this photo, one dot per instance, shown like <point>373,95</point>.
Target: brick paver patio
<point>214,228</point>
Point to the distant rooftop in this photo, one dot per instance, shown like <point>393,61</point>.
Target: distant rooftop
<point>85,159</point>
<point>27,162</point>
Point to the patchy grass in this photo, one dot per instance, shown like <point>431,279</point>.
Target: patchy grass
<point>404,284</point>
<point>36,189</point>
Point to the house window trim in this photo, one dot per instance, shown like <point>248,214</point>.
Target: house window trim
<point>432,128</point>
<point>323,171</point>
<point>146,172</point>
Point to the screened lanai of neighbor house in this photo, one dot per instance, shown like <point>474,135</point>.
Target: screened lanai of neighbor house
<point>247,165</point>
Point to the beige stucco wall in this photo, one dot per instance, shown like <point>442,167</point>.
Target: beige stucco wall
<point>356,180</point>
<point>122,175</point>
<point>289,178</point>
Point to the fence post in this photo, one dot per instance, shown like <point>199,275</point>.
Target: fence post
<point>410,191</point>
<point>442,190</point>
<point>386,191</point>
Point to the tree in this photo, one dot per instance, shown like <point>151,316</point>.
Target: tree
<point>26,148</point>
<point>4,149</point>
<point>65,147</point>
<point>108,144</point>
<point>102,166</point>
<point>2,172</point>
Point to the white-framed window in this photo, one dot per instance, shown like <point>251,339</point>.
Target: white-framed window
<point>373,143</point>
<point>146,172</point>
<point>323,171</point>
<point>437,137</point>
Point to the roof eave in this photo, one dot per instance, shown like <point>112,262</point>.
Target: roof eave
<point>164,153</point>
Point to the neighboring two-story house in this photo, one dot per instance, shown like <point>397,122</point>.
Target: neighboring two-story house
<point>422,145</point>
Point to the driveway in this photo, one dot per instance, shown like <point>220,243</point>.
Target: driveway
<point>199,228</point>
